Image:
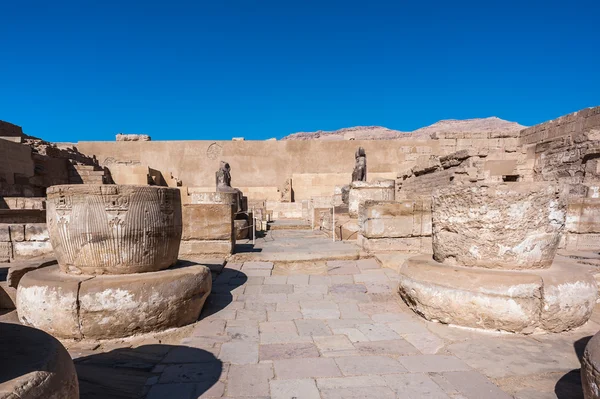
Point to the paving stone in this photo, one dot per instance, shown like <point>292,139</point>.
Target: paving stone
<point>288,306</point>
<point>321,314</point>
<point>432,363</point>
<point>258,315</point>
<point>275,280</point>
<point>256,272</point>
<point>390,317</point>
<point>239,352</point>
<point>304,297</point>
<point>347,288</point>
<point>371,308</point>
<point>299,279</point>
<point>367,264</point>
<point>342,267</point>
<point>351,382</point>
<point>408,326</point>
<point>318,305</point>
<point>342,279</point>
<point>209,328</point>
<point>415,385</point>
<point>233,266</point>
<point>378,332</point>
<point>255,280</point>
<point>253,289</point>
<point>397,347</point>
<point>312,327</point>
<point>306,368</point>
<point>287,351</point>
<point>366,365</point>
<point>265,298</point>
<point>426,343</point>
<point>257,266</point>
<point>321,280</point>
<point>191,372</point>
<point>358,393</point>
<point>178,390</point>
<point>183,354</point>
<point>283,338</point>
<point>311,289</point>
<point>351,311</point>
<point>283,316</point>
<point>242,332</point>
<point>283,327</point>
<point>259,306</point>
<point>333,343</point>
<point>371,276</point>
<point>215,391</point>
<point>299,389</point>
<point>277,289</point>
<point>381,288</point>
<point>353,334</point>
<point>249,380</point>
<point>474,385</point>
<point>345,323</point>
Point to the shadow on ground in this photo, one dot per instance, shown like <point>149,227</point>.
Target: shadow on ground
<point>128,373</point>
<point>220,295</point>
<point>569,385</point>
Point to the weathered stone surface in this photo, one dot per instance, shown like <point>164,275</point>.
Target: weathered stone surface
<point>207,222</point>
<point>555,299</point>
<point>286,192</point>
<point>360,191</point>
<point>112,306</point>
<point>35,366</point>
<point>36,232</point>
<point>31,249</point>
<point>18,269</point>
<point>590,369</point>
<point>218,197</point>
<point>241,229</point>
<point>506,226</point>
<point>114,229</point>
<point>132,137</point>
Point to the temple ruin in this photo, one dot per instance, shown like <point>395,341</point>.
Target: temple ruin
<point>296,260</point>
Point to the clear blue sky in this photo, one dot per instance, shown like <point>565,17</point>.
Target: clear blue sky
<point>87,69</point>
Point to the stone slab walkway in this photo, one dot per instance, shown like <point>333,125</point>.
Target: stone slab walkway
<point>342,333</point>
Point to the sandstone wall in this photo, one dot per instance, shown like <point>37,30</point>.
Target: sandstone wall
<point>15,161</point>
<point>259,167</point>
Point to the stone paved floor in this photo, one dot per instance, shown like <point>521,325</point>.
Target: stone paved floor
<point>279,332</point>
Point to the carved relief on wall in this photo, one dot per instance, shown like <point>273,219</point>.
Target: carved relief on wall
<point>214,151</point>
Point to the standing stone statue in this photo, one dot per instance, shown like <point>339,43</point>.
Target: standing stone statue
<point>224,177</point>
<point>360,166</point>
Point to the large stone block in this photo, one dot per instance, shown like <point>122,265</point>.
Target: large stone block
<point>506,226</point>
<point>208,222</point>
<point>360,191</point>
<point>195,249</point>
<point>37,365</point>
<point>112,306</point>
<point>114,229</point>
<point>31,249</point>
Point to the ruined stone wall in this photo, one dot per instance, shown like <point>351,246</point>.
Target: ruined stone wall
<point>15,161</point>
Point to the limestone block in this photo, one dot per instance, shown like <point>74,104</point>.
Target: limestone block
<point>509,226</point>
<point>40,367</point>
<point>31,249</point>
<point>132,137</point>
<point>195,249</point>
<point>4,232</point>
<point>114,229</point>
<point>399,244</point>
<point>17,232</point>
<point>6,251</point>
<point>379,219</point>
<point>47,299</point>
<point>36,232</point>
<point>208,222</point>
<point>583,216</point>
<point>360,191</point>
<point>219,197</point>
<point>590,368</point>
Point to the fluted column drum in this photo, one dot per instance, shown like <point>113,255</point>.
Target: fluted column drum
<point>114,229</point>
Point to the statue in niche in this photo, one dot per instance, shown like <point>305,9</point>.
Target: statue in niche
<point>224,177</point>
<point>360,165</point>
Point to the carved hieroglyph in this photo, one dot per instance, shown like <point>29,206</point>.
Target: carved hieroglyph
<point>114,229</point>
<point>507,226</point>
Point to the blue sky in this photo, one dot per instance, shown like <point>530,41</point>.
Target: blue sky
<point>193,70</point>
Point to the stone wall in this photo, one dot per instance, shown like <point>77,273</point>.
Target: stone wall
<point>208,230</point>
<point>23,241</point>
<point>403,226</point>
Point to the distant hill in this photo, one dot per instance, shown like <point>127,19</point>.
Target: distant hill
<point>491,124</point>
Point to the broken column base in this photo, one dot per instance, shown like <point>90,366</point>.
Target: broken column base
<point>556,299</point>
<point>590,369</point>
<point>35,365</point>
<point>112,306</point>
